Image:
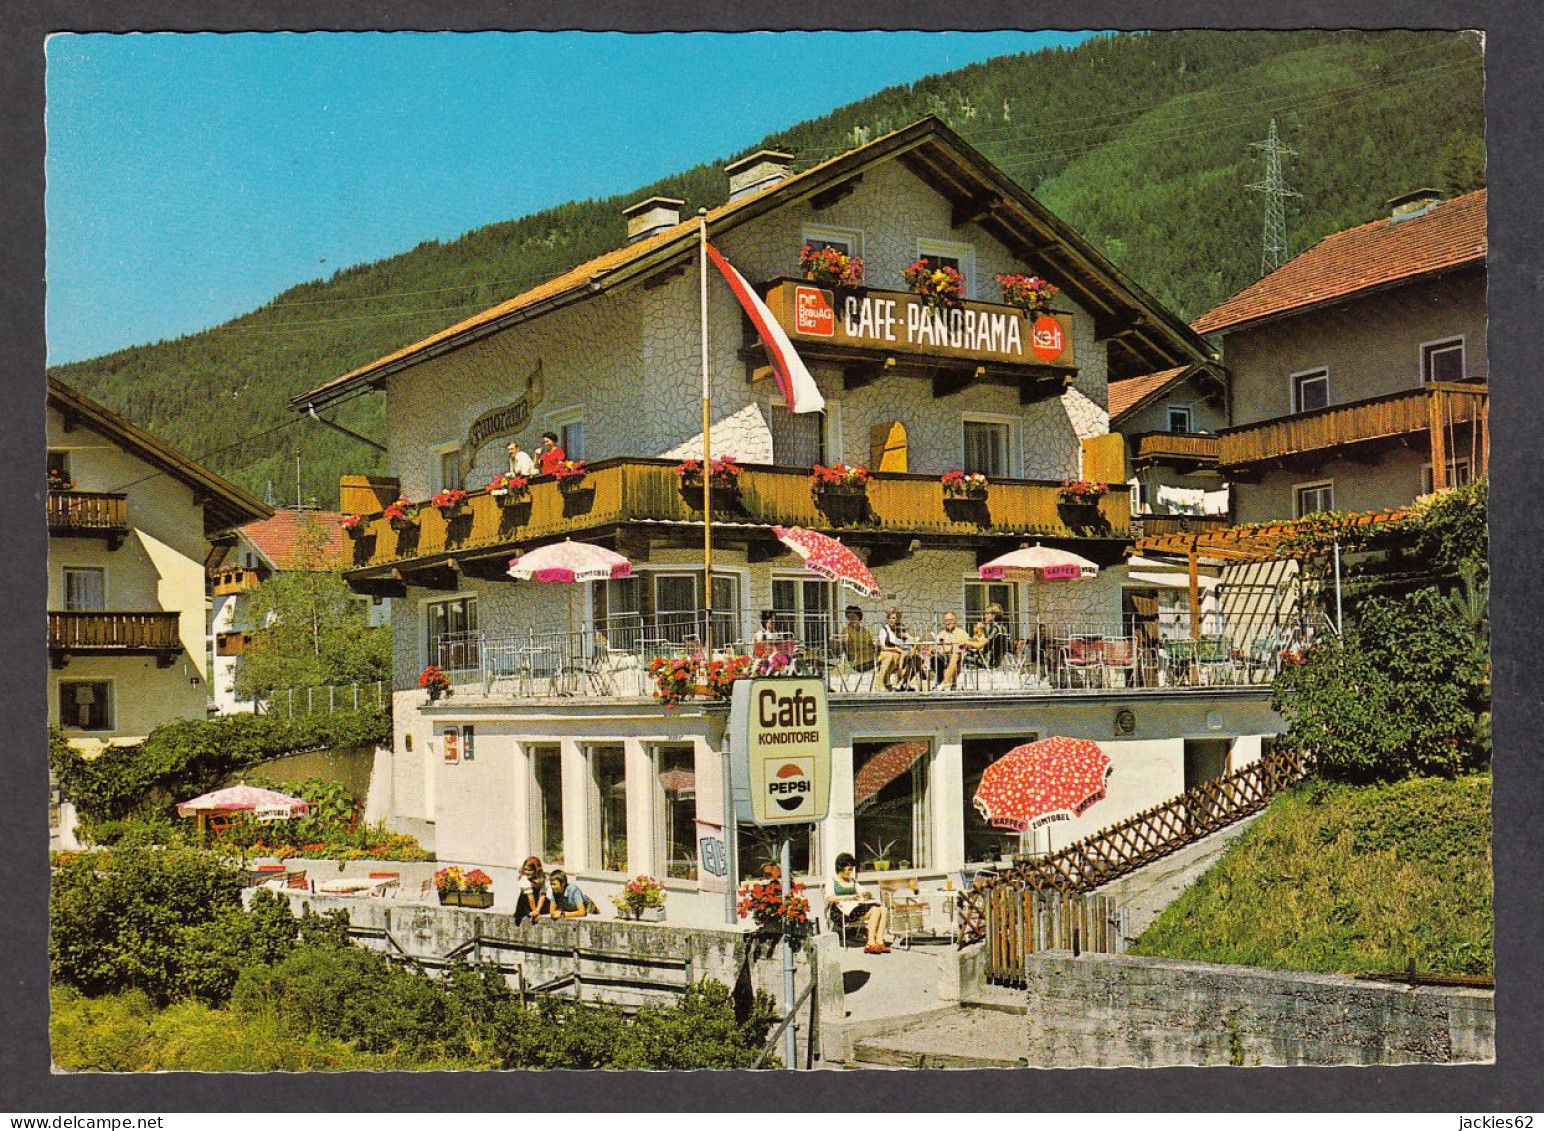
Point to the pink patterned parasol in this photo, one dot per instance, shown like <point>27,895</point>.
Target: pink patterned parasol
<point>829,558</point>
<point>884,767</point>
<point>240,798</point>
<point>1038,563</point>
<point>569,561</point>
<point>1055,779</point>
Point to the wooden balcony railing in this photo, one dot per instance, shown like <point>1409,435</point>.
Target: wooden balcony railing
<point>88,514</point>
<point>624,491</point>
<point>233,579</point>
<point>126,633</point>
<point>1150,525</point>
<point>1174,447</point>
<point>1432,409</point>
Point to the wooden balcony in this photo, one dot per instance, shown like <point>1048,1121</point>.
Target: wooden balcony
<point>1174,449</point>
<point>1427,415</point>
<point>1152,525</point>
<point>89,514</point>
<point>233,579</point>
<point>648,495</point>
<point>123,634</point>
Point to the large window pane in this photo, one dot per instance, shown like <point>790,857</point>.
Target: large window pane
<point>451,627</point>
<point>890,793</point>
<point>982,842</point>
<point>986,448</point>
<point>609,840</point>
<point>547,810</point>
<point>85,589</point>
<point>759,847</point>
<point>675,606</point>
<point>86,705</point>
<point>677,809</point>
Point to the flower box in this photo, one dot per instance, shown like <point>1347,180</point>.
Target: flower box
<point>1080,493</point>
<point>449,502</point>
<point>829,267</point>
<point>479,899</point>
<point>509,489</point>
<point>940,287</point>
<point>839,481</point>
<point>964,485</point>
<point>1030,293</point>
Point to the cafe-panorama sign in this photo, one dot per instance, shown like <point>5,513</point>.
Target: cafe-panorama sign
<point>780,751</point>
<point>900,322</point>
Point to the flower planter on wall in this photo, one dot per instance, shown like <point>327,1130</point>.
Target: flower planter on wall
<point>477,899</point>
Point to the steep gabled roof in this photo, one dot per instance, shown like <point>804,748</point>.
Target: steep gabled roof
<point>275,537</point>
<point>1136,393</point>
<point>1366,258</point>
<point>224,504</point>
<point>1147,335</point>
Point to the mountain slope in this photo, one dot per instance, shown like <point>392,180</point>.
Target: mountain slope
<point>1140,141</point>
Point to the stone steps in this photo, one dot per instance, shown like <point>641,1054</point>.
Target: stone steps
<point>989,1035</point>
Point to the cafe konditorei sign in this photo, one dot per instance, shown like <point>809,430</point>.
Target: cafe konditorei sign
<point>780,751</point>
<point>901,322</point>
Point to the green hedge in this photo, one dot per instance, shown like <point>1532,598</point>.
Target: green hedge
<point>190,756</point>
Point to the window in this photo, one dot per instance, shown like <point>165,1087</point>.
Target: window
<point>757,848</point>
<point>618,620</point>
<point>1311,498</point>
<point>448,469</point>
<point>569,425</point>
<point>983,843</point>
<point>1443,361</point>
<point>452,633</point>
<point>960,256</point>
<point>989,447</point>
<point>676,810</point>
<point>803,608</point>
<point>892,817</point>
<point>848,241</point>
<point>85,589</point>
<point>1310,391</point>
<point>1459,475</point>
<point>547,802</point>
<point>798,439</point>
<point>980,594</point>
<point>58,468</point>
<point>678,611</point>
<point>608,835</point>
<point>86,704</point>
<point>1179,418</point>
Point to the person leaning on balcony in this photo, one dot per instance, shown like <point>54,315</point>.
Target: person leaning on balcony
<point>857,642</point>
<point>531,891</point>
<point>520,461</point>
<point>953,642</point>
<point>552,454</point>
<point>896,661</point>
<point>567,900</point>
<point>852,902</point>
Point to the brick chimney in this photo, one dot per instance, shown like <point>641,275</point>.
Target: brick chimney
<point>647,217</point>
<point>762,168</point>
<point>1413,204</point>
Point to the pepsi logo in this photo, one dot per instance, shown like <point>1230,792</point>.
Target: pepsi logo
<point>790,786</point>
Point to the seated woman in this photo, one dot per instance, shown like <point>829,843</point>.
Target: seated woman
<point>531,891</point>
<point>998,641</point>
<point>897,661</point>
<point>768,649</point>
<point>568,901</point>
<point>852,903</point>
<point>856,643</point>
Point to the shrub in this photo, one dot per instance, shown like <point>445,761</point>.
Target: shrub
<point>137,832</point>
<point>701,1032</point>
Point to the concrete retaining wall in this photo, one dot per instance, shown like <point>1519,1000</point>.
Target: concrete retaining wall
<point>1111,1011</point>
<point>731,957</point>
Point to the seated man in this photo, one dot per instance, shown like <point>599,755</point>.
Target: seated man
<point>952,643</point>
<point>856,643</point>
<point>567,901</point>
<point>852,903</point>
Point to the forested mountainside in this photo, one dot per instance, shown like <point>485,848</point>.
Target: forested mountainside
<point>1142,142</point>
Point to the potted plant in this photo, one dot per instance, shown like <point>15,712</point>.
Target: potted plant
<point>878,855</point>
<point>507,488</point>
<point>675,679</point>
<point>459,888</point>
<point>940,287</point>
<point>643,899</point>
<point>402,514</point>
<point>724,470</point>
<point>449,501</point>
<point>839,479</point>
<point>353,525</point>
<point>570,474</point>
<point>830,267</point>
<point>1030,293</point>
<point>775,913</point>
<point>964,484</point>
<point>1081,492</point>
<point>59,481</point>
<point>433,680</point>
<point>720,676</point>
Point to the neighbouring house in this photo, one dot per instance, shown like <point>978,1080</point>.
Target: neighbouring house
<point>287,540</point>
<point>130,521</point>
<point>551,742</point>
<point>1170,420</point>
<point>1358,368</point>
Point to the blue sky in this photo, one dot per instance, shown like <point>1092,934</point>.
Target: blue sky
<point>193,177</point>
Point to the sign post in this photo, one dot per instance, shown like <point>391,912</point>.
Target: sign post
<point>780,775</point>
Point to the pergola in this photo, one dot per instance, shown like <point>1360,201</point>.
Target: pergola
<point>1258,542</point>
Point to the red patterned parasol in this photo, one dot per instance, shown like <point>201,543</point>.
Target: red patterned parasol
<point>1055,779</point>
<point>678,781</point>
<point>829,558</point>
<point>883,768</point>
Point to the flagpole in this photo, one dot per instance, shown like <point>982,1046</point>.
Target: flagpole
<point>707,443</point>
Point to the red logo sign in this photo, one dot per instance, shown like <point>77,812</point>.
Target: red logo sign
<point>452,744</point>
<point>790,786</point>
<point>1061,573</point>
<point>1046,338</point>
<point>813,312</point>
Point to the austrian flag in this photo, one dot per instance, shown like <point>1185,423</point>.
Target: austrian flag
<point>793,380</point>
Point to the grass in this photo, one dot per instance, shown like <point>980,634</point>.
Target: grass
<point>1347,879</point>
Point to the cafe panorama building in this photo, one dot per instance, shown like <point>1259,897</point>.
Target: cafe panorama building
<point>552,743</point>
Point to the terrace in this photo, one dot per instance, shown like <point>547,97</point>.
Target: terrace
<point>123,634</point>
<point>89,514</point>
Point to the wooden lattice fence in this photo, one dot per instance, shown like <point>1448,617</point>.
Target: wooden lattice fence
<point>1021,922</point>
<point>1139,840</point>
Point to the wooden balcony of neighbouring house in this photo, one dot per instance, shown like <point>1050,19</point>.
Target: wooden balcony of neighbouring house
<point>648,496</point>
<point>1183,451</point>
<point>1151,525</point>
<point>1448,420</point>
<point>873,331</point>
<point>89,514</point>
<point>114,634</point>
<point>230,580</point>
